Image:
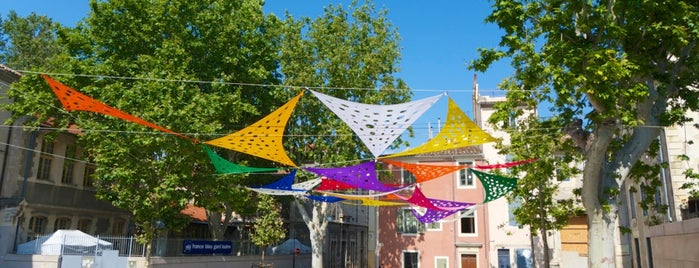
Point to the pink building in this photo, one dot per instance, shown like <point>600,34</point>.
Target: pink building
<point>459,240</point>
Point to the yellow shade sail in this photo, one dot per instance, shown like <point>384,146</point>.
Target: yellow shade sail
<point>458,131</point>
<point>379,203</point>
<point>263,138</point>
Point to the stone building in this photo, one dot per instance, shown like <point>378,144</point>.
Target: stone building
<point>46,183</point>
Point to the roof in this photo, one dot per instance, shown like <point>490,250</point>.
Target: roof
<point>194,212</point>
<point>199,214</point>
<point>9,75</point>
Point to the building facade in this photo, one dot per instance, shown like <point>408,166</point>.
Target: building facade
<point>458,241</point>
<point>485,236</point>
<point>46,184</point>
<point>670,220</point>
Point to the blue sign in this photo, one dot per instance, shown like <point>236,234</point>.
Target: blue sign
<point>206,247</point>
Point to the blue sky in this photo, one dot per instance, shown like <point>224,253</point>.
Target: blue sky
<point>438,39</point>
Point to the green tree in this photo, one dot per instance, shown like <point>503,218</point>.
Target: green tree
<point>541,205</point>
<point>268,226</point>
<point>612,72</point>
<point>161,46</point>
<point>27,42</point>
<point>354,47</point>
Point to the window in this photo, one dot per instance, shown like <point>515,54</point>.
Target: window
<point>118,227</point>
<point>61,224</point>
<point>434,226</point>
<point>85,225</point>
<point>558,173</point>
<point>693,205</point>
<point>441,262</point>
<point>632,204</point>
<point>410,259</point>
<point>45,159</point>
<point>643,199</point>
<point>649,248</point>
<point>68,165</point>
<point>37,226</point>
<point>504,258</point>
<point>638,252</point>
<point>466,176</point>
<point>658,198</point>
<point>406,223</point>
<point>512,120</point>
<point>407,178</point>
<point>524,258</point>
<point>511,207</point>
<point>467,222</point>
<point>89,175</point>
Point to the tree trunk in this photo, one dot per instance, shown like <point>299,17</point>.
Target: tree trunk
<point>262,261</point>
<point>533,231</point>
<point>542,229</point>
<point>544,240</point>
<point>218,222</point>
<point>597,176</point>
<point>602,225</point>
<point>316,228</point>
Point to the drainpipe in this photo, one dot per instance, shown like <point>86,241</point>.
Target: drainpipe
<point>27,171</point>
<point>4,159</point>
<point>458,214</point>
<point>662,174</point>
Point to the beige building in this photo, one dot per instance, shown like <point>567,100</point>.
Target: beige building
<point>668,237</point>
<point>46,184</point>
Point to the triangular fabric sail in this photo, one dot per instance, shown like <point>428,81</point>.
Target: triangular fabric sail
<point>450,205</point>
<point>72,100</point>
<point>282,184</point>
<point>448,208</point>
<point>361,176</point>
<point>458,131</point>
<point>506,165</point>
<point>432,215</point>
<point>495,186</point>
<point>361,196</point>
<point>418,198</point>
<point>306,185</point>
<point>321,198</point>
<point>379,203</point>
<point>377,125</point>
<point>263,138</point>
<point>278,192</point>
<point>424,172</point>
<point>333,185</point>
<point>224,166</point>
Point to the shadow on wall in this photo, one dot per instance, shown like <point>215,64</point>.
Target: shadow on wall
<point>391,255</point>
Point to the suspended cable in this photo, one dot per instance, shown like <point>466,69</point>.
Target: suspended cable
<point>249,84</point>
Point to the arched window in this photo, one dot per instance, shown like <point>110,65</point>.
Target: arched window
<point>61,223</point>
<point>37,226</point>
<point>85,225</point>
<point>118,227</point>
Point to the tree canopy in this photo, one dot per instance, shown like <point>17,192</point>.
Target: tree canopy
<point>183,63</point>
<point>206,69</point>
<point>612,74</point>
<point>350,53</point>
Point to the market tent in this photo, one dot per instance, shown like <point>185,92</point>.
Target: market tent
<point>64,242</point>
<point>289,246</point>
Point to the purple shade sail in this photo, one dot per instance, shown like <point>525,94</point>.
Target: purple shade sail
<point>361,176</point>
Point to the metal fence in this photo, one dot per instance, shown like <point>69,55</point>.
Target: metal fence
<point>127,246</point>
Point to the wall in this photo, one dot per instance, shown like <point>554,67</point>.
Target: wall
<point>43,261</point>
<point>675,244</point>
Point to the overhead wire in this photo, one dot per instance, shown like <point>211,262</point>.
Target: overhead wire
<point>98,76</point>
